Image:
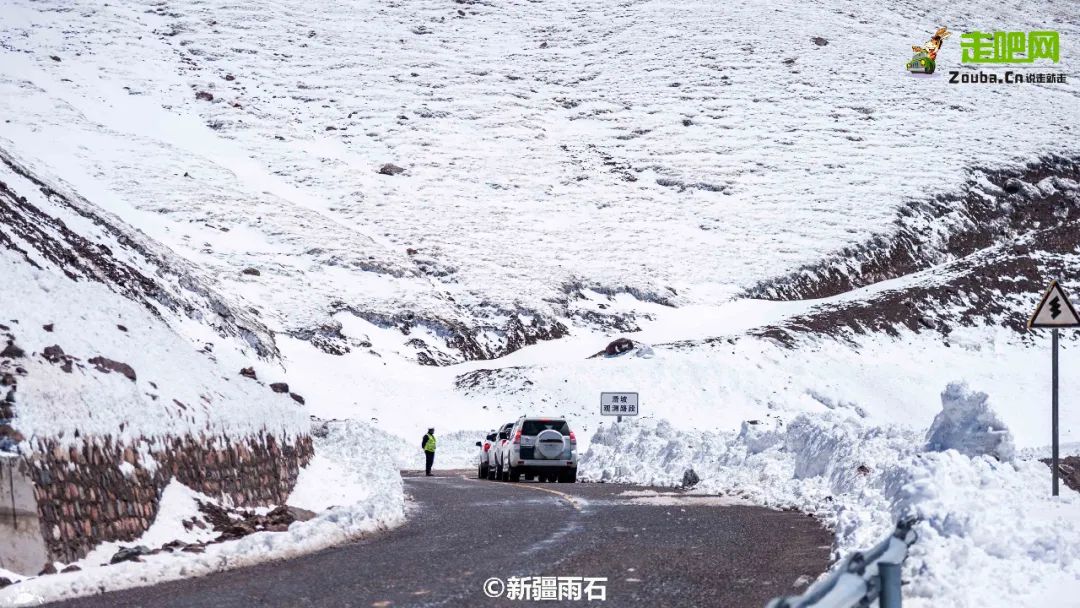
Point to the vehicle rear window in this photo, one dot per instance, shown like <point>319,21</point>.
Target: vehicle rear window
<point>534,427</point>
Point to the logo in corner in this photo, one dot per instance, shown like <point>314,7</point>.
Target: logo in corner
<point>925,59</point>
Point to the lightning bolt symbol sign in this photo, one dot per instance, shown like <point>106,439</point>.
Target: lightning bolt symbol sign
<point>1055,307</point>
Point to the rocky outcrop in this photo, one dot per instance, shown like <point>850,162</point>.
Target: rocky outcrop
<point>992,209</point>
<point>439,341</point>
<point>978,259</point>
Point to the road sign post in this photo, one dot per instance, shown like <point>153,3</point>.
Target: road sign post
<point>619,405</point>
<point>1055,312</point>
<point>1054,409</point>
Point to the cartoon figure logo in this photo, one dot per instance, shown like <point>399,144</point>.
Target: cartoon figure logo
<point>925,59</point>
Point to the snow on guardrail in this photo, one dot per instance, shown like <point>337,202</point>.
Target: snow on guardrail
<point>863,578</point>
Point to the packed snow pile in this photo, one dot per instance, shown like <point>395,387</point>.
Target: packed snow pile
<point>455,450</point>
<point>968,425</point>
<point>990,534</point>
<point>354,462</point>
<point>352,484</point>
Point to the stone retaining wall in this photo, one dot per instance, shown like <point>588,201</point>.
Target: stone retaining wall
<point>107,491</point>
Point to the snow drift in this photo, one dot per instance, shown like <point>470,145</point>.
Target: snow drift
<point>990,534</point>
<point>968,425</point>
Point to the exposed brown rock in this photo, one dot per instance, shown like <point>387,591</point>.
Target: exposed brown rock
<point>619,346</point>
<point>105,365</point>
<point>129,554</point>
<point>53,353</point>
<point>11,351</point>
<point>1068,471</point>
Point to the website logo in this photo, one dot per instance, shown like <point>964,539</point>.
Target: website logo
<point>925,59</point>
<point>1025,51</point>
<point>1010,47</point>
<point>1017,49</point>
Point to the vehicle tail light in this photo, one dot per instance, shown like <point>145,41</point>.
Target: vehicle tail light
<point>487,446</point>
<point>572,438</point>
<point>517,436</point>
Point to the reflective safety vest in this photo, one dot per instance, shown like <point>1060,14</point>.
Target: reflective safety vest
<point>429,445</point>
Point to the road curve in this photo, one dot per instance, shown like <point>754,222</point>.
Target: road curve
<point>655,551</point>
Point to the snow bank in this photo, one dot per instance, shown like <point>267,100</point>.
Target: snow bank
<point>456,449</point>
<point>353,482</point>
<point>990,534</point>
<point>968,425</point>
<point>354,462</point>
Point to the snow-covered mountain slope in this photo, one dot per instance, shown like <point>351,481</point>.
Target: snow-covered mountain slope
<point>676,152</point>
<point>437,213</point>
<point>572,170</point>
<point>108,335</point>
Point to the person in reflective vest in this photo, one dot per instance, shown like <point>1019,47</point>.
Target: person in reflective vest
<point>428,445</point>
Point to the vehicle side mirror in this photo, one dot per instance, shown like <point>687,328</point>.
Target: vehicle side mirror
<point>478,444</point>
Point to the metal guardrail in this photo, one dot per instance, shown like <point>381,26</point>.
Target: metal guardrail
<point>864,578</point>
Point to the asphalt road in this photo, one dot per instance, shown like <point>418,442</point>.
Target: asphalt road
<point>669,550</point>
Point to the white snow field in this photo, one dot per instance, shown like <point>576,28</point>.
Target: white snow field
<point>574,171</point>
<point>543,142</point>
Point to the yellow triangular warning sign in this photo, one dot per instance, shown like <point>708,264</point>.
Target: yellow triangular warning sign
<point>1054,310</point>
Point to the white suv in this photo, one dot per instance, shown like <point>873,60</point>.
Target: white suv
<point>544,448</point>
<point>484,458</point>
<point>498,451</point>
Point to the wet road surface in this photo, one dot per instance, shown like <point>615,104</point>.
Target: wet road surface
<point>655,550</point>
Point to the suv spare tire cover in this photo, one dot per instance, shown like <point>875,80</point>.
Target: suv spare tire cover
<point>549,444</point>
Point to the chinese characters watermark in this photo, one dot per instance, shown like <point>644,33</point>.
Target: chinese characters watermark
<point>548,588</point>
<point>1009,47</point>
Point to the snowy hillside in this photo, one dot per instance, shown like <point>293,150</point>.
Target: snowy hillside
<point>676,152</point>
<point>440,212</point>
<point>572,172</point>
<point>109,336</point>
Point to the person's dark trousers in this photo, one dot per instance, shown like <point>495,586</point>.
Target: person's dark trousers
<point>430,461</point>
